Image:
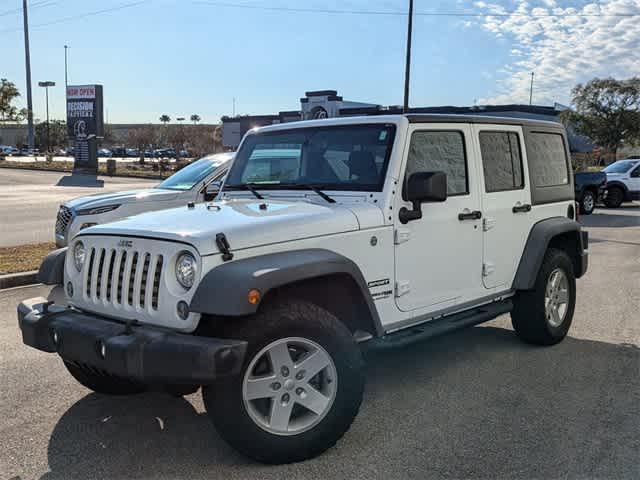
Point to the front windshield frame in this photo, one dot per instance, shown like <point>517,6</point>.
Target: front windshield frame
<point>617,166</point>
<point>238,166</point>
<point>216,165</point>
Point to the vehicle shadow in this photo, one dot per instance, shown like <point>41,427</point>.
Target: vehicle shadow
<point>477,404</point>
<point>80,180</point>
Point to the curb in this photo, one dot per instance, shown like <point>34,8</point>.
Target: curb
<point>18,279</point>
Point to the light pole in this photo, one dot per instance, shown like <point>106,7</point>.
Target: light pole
<point>27,62</point>
<point>407,67</point>
<point>66,80</point>
<point>46,86</point>
<point>531,90</point>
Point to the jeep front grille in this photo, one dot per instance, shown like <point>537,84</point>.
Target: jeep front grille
<point>63,220</point>
<point>123,277</point>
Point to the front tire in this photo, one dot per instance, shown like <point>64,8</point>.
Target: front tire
<point>542,316</point>
<point>300,387</point>
<point>587,203</point>
<point>614,198</point>
<point>103,383</point>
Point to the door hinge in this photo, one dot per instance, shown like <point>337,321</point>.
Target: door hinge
<point>488,224</point>
<point>402,235</point>
<point>402,287</point>
<point>488,268</point>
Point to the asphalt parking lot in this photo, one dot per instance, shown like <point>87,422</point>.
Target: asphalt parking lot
<point>475,404</point>
<point>30,200</point>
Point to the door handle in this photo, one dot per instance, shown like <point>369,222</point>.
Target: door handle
<point>466,215</point>
<point>517,208</point>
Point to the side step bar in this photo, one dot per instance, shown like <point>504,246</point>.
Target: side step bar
<point>434,328</point>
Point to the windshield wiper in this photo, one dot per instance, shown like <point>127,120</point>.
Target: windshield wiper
<point>308,186</point>
<point>245,186</point>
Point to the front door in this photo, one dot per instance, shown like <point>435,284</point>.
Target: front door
<point>506,202</point>
<point>439,257</point>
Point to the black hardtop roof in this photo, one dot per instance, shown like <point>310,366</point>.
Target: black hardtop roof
<point>496,120</point>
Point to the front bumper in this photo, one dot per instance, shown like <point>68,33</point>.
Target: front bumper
<point>138,352</point>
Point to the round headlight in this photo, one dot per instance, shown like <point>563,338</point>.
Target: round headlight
<point>186,269</point>
<point>79,255</point>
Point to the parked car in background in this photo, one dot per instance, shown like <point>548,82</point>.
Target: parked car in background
<point>197,182</point>
<point>623,182</point>
<point>6,150</point>
<point>119,151</point>
<point>133,152</point>
<point>589,188</point>
<point>105,152</point>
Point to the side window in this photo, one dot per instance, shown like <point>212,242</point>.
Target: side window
<point>443,151</point>
<point>547,159</point>
<point>501,161</point>
<point>635,173</point>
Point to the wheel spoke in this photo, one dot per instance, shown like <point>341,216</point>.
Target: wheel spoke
<point>556,316</point>
<point>280,415</point>
<point>554,281</point>
<point>563,296</point>
<point>280,356</point>
<point>312,364</point>
<point>313,400</point>
<point>260,387</point>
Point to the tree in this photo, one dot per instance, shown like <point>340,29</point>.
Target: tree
<point>607,111</point>
<point>165,118</point>
<point>142,138</point>
<point>195,118</point>
<point>8,93</point>
<point>57,134</point>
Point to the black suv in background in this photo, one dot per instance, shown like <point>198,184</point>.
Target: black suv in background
<point>589,188</point>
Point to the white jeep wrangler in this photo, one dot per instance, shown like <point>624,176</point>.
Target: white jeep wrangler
<point>328,236</point>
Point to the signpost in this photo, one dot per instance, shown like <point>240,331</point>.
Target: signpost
<point>85,124</point>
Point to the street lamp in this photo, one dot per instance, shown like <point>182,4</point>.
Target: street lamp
<point>46,86</point>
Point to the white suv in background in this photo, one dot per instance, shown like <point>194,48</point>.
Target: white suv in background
<point>197,182</point>
<point>623,182</point>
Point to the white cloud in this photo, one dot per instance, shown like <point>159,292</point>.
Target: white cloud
<point>566,50</point>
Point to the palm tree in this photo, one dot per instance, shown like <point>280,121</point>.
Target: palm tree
<point>195,118</point>
<point>165,118</point>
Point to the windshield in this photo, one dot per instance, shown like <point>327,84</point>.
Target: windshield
<point>352,157</point>
<point>620,166</point>
<point>190,175</point>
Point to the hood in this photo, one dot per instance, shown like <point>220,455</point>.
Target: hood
<point>128,196</point>
<point>246,223</point>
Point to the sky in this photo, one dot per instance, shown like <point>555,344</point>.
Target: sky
<point>183,57</point>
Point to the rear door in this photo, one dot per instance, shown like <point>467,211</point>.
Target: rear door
<point>506,201</point>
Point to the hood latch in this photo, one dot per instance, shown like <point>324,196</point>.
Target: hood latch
<point>224,247</point>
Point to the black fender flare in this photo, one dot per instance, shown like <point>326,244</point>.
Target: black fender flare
<point>223,290</point>
<point>538,241</point>
<point>51,270</point>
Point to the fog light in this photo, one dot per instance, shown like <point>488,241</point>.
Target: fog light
<point>69,289</point>
<point>183,309</point>
<point>253,297</point>
<point>102,350</point>
<point>55,337</point>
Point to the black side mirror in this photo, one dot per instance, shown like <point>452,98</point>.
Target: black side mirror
<point>423,187</point>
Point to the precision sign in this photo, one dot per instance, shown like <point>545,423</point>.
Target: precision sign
<point>84,111</point>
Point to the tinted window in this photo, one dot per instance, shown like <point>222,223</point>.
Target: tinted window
<point>440,151</point>
<point>621,166</point>
<point>547,159</point>
<point>351,157</point>
<point>501,161</point>
<point>193,173</point>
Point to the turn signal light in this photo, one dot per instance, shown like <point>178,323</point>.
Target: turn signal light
<point>253,297</point>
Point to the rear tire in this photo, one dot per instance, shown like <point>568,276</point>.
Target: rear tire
<point>614,198</point>
<point>587,202</point>
<point>103,383</point>
<point>542,316</point>
<point>264,411</point>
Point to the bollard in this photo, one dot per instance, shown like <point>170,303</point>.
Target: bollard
<point>111,167</point>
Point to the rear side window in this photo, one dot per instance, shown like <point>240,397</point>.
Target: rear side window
<point>547,159</point>
<point>501,161</point>
<point>440,151</point>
